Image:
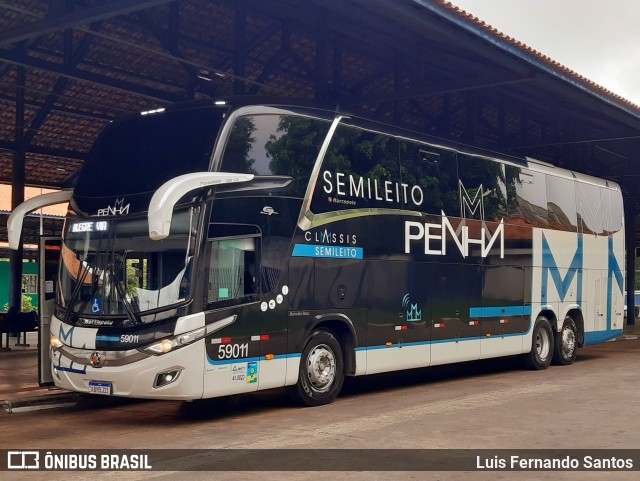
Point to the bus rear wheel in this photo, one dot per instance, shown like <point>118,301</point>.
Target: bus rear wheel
<point>566,343</point>
<point>321,370</point>
<point>541,345</point>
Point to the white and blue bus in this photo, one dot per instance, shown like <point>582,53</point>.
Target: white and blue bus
<point>220,248</point>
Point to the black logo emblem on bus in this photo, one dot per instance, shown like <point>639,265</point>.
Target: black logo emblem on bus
<point>95,359</point>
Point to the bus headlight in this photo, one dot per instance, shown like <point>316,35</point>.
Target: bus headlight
<point>172,343</point>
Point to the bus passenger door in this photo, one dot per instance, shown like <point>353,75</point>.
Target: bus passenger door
<point>232,353</point>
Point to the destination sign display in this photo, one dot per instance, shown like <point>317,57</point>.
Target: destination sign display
<point>89,226</point>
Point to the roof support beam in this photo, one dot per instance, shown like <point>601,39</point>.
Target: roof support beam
<point>73,19</point>
<point>57,108</point>
<point>27,61</point>
<point>34,149</point>
<point>427,90</point>
<point>240,47</point>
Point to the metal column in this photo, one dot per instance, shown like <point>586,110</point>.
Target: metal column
<point>631,216</point>
<point>17,197</point>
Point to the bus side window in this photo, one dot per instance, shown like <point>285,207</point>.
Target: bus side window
<point>561,203</point>
<point>529,204</point>
<point>434,170</point>
<point>594,206</point>
<point>482,187</point>
<point>232,269</point>
<point>360,170</point>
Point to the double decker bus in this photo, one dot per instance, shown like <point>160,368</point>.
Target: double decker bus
<point>220,248</point>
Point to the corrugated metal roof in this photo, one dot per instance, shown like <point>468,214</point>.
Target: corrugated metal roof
<point>424,64</point>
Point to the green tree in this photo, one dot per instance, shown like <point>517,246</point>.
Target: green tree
<point>236,154</point>
<point>294,152</point>
<point>26,304</point>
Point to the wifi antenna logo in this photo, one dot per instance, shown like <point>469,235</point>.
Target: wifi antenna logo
<point>413,314</point>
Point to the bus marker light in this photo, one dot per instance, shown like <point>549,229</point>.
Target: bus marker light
<point>225,340</point>
<point>504,321</point>
<point>488,335</point>
<point>269,357</point>
<point>439,324</point>
<point>265,337</point>
<point>474,323</point>
<point>389,344</point>
<point>55,342</point>
<point>166,345</point>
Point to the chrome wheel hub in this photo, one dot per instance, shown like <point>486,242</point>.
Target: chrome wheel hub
<point>543,343</point>
<point>321,368</point>
<point>568,342</point>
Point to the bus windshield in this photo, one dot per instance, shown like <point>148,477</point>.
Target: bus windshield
<point>112,268</point>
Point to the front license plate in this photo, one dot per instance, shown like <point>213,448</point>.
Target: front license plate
<point>103,388</point>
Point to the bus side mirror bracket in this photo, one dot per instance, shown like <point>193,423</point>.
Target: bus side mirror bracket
<point>16,219</point>
<point>165,198</point>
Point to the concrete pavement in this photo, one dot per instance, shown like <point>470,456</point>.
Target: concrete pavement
<point>20,390</point>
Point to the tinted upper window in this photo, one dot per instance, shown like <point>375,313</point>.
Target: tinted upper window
<point>561,203</point>
<point>360,170</point>
<point>269,144</point>
<point>528,204</point>
<point>599,209</point>
<point>483,192</point>
<point>435,171</point>
<point>140,154</point>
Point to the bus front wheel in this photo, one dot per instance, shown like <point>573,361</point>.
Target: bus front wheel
<point>566,343</point>
<point>321,370</point>
<point>541,345</point>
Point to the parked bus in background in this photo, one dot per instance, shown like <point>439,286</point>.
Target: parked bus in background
<point>216,249</point>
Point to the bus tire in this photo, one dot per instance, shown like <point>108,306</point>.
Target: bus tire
<point>541,345</point>
<point>321,370</point>
<point>566,343</point>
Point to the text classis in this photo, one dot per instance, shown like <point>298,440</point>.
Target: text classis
<point>327,237</point>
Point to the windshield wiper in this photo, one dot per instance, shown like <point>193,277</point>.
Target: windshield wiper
<point>80,280</point>
<point>131,314</point>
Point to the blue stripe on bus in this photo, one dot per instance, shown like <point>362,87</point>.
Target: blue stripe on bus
<point>108,338</point>
<point>596,337</point>
<point>70,369</point>
<point>250,359</point>
<point>441,341</point>
<point>590,338</point>
<point>500,311</point>
<point>327,251</point>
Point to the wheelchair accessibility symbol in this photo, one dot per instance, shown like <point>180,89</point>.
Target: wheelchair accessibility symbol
<point>96,306</point>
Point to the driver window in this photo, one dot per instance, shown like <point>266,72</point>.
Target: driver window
<point>232,271</point>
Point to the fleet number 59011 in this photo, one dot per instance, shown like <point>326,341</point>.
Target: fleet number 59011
<point>233,351</point>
